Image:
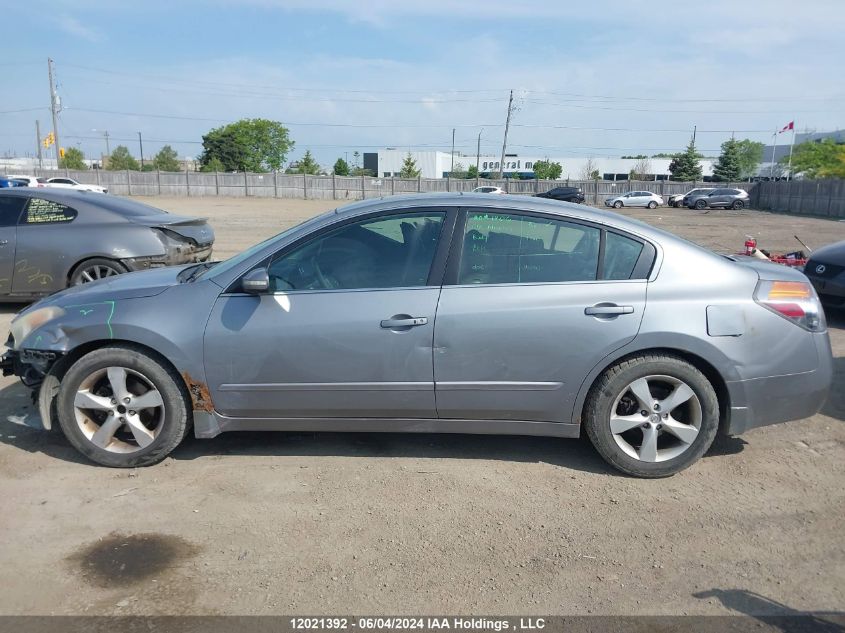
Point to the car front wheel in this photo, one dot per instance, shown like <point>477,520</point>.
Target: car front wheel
<point>121,407</point>
<point>617,204</point>
<point>652,415</point>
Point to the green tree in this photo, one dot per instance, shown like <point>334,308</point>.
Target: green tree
<point>74,159</point>
<point>148,167</point>
<point>167,159</point>
<point>409,168</point>
<point>255,145</point>
<point>307,165</point>
<point>121,159</point>
<point>729,166</point>
<point>686,165</point>
<point>818,159</point>
<point>547,170</point>
<point>215,164</point>
<point>341,167</point>
<point>458,171</point>
<point>362,171</point>
<point>750,156</point>
<point>472,172</point>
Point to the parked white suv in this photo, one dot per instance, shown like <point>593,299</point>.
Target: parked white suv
<point>70,183</point>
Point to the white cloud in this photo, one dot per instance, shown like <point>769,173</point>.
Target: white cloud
<point>73,26</point>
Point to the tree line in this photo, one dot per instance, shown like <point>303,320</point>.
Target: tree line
<point>261,145</point>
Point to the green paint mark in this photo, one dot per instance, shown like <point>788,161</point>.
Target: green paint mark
<point>85,310</point>
<point>37,340</point>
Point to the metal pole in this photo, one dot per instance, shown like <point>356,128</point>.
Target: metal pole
<point>305,186</point>
<point>452,168</point>
<point>275,183</point>
<point>505,141</point>
<point>158,180</point>
<point>38,144</point>
<point>106,136</point>
<point>141,143</point>
<point>54,109</point>
<point>478,157</point>
<point>772,166</point>
<point>334,186</point>
<point>217,183</point>
<point>129,182</point>
<point>791,145</point>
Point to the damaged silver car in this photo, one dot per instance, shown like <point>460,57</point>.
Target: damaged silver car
<point>436,314</point>
<point>51,239</point>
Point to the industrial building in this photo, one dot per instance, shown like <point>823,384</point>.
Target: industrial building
<point>436,164</point>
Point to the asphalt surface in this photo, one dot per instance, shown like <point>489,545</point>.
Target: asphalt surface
<point>365,523</point>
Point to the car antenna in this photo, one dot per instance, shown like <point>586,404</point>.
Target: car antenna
<point>802,243</point>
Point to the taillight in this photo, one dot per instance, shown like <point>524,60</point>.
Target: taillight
<point>793,300</point>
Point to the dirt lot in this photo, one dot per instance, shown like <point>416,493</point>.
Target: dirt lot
<point>310,523</point>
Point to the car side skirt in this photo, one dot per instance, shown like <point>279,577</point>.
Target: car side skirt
<point>208,425</point>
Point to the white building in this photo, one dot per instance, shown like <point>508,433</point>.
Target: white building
<point>435,164</point>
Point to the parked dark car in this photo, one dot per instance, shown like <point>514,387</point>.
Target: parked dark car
<point>436,314</point>
<point>717,199</point>
<point>51,239</point>
<point>826,269</point>
<point>677,199</point>
<point>564,194</point>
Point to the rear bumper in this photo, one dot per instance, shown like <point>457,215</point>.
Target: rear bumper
<point>188,255</point>
<point>775,399</point>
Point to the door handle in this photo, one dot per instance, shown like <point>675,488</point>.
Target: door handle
<point>4,242</point>
<point>403,322</point>
<point>608,310</point>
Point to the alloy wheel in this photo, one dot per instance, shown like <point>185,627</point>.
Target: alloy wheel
<point>93,273</point>
<point>119,410</point>
<point>656,418</point>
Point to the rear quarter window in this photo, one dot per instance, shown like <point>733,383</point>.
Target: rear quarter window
<point>41,211</point>
<point>620,256</point>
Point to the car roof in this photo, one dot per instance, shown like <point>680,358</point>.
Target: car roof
<point>54,192</point>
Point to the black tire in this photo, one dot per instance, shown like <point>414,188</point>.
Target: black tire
<point>617,204</point>
<point>700,204</point>
<point>175,421</point>
<point>737,205</point>
<point>609,386</point>
<point>78,277</point>
<point>652,205</point>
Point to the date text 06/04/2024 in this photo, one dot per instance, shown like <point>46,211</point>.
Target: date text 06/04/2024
<point>416,623</point>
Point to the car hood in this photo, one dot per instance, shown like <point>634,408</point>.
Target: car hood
<point>146,283</point>
<point>195,229</point>
<point>830,254</point>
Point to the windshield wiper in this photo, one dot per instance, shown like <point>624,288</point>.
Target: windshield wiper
<point>195,271</point>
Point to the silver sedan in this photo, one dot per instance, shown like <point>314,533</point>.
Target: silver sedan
<point>437,314</point>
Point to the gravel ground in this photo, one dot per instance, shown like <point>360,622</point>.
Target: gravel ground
<point>366,523</point>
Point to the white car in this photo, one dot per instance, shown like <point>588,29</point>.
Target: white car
<point>634,199</point>
<point>70,183</point>
<point>31,181</point>
<point>488,190</point>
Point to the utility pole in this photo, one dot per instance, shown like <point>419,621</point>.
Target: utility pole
<point>694,128</point>
<point>38,143</point>
<point>55,107</point>
<point>478,154</point>
<point>141,143</point>
<point>452,168</point>
<point>106,136</point>
<point>505,141</point>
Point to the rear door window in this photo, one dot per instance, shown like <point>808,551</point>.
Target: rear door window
<point>502,248</point>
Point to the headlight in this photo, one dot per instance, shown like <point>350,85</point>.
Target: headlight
<point>23,325</point>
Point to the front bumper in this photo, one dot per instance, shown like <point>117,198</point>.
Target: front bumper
<point>775,399</point>
<point>830,291</point>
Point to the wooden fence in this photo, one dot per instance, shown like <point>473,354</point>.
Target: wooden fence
<point>804,197</point>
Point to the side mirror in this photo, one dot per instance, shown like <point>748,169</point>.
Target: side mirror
<point>256,281</point>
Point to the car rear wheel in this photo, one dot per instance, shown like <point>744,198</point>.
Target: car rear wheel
<point>122,408</point>
<point>700,204</point>
<point>617,204</point>
<point>652,415</point>
<point>738,204</point>
<point>652,205</point>
<point>94,269</point>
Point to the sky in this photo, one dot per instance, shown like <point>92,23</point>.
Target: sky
<point>605,78</point>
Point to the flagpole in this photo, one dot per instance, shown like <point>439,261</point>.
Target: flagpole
<point>789,176</point>
<point>772,166</point>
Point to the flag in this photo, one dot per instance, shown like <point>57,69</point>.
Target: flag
<point>788,126</point>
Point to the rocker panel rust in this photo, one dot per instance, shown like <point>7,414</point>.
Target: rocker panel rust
<point>200,396</point>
